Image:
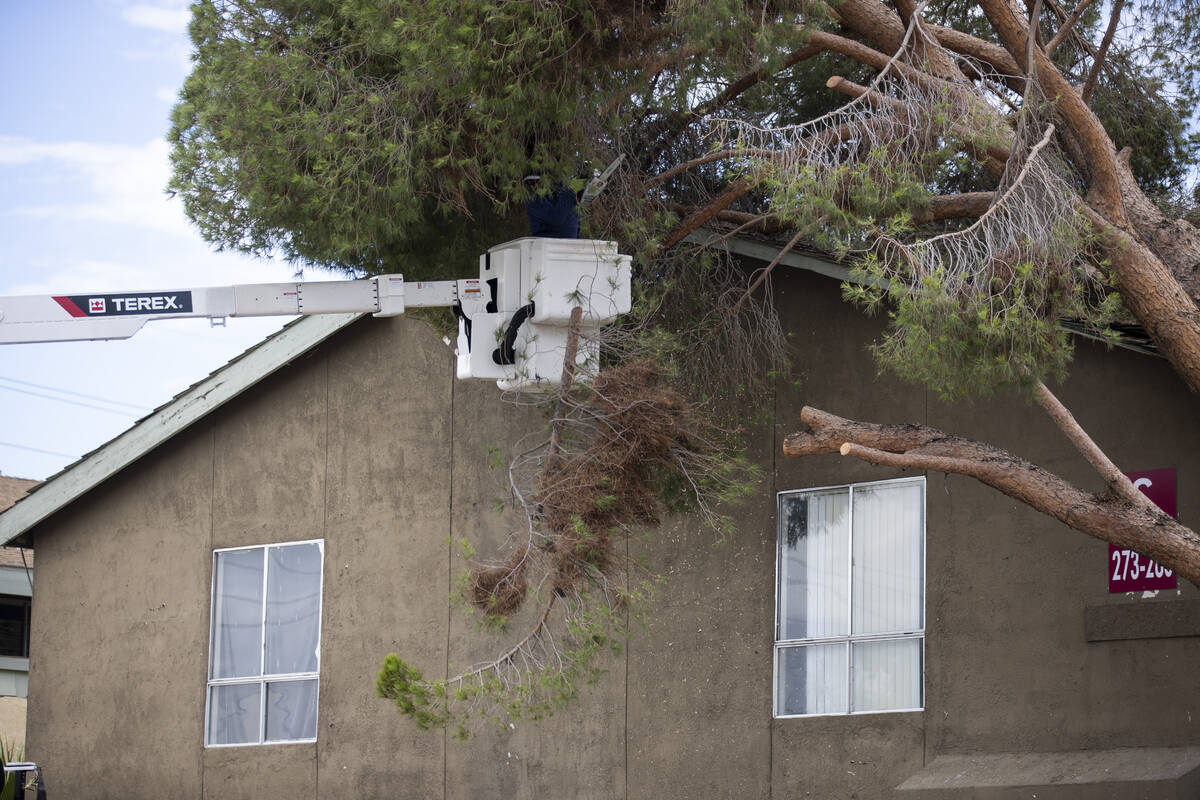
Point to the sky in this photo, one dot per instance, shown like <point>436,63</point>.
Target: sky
<point>86,95</point>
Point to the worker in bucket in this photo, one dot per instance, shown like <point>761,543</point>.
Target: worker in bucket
<point>555,214</point>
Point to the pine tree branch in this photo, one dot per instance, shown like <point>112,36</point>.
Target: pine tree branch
<point>1087,447</point>
<point>1067,26</point>
<point>722,155</point>
<point>751,78</point>
<point>965,44</point>
<point>1094,143</point>
<point>722,201</point>
<point>1108,517</point>
<point>649,68</point>
<point>1090,84</point>
<point>995,154</point>
<point>955,206</point>
<point>764,274</point>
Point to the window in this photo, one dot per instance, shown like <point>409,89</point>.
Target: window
<point>850,599</point>
<point>264,648</point>
<point>14,626</point>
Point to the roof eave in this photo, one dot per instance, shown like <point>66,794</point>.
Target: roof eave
<point>189,407</point>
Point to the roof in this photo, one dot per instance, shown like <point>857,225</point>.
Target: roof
<point>13,489</point>
<point>16,557</point>
<point>186,408</point>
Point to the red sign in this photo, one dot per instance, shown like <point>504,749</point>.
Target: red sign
<point>1132,572</point>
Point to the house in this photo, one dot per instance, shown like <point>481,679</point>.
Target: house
<point>865,633</point>
<point>16,591</point>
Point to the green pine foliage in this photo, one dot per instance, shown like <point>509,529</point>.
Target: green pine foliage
<point>369,136</point>
<point>593,631</point>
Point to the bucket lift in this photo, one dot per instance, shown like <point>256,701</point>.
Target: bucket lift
<point>513,320</point>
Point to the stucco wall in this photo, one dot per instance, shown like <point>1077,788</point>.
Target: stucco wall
<point>370,444</point>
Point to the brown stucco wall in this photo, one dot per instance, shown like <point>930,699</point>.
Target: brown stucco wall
<point>369,443</point>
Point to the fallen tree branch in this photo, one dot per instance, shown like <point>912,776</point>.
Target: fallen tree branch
<point>1087,447</point>
<point>955,206</point>
<point>1107,516</point>
<point>751,78</point>
<point>719,203</point>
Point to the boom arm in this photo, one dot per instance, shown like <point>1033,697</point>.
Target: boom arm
<point>522,300</point>
<point>119,315</point>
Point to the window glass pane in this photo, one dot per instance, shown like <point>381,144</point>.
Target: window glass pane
<point>887,558</point>
<point>14,626</point>
<point>812,679</point>
<point>291,710</point>
<point>814,547</point>
<point>237,614</point>
<point>293,608</point>
<point>233,714</point>
<point>887,675</point>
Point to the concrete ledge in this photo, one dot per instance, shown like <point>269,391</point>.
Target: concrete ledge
<point>1159,620</point>
<point>1153,773</point>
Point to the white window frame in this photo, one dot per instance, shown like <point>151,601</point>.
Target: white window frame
<point>262,679</point>
<point>851,638</point>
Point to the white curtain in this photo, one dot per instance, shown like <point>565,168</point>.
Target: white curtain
<point>293,608</point>
<point>236,650</point>
<point>291,710</point>
<point>233,713</point>
<point>243,648</point>
<point>814,601</point>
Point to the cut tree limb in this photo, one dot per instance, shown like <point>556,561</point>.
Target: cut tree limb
<point>1106,516</point>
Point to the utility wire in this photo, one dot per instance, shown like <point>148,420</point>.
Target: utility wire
<point>71,402</point>
<point>36,450</point>
<point>75,394</point>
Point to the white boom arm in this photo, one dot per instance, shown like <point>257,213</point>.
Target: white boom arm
<point>515,314</point>
<point>119,315</point>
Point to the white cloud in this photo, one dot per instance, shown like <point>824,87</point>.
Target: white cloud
<point>167,17</point>
<point>119,184</point>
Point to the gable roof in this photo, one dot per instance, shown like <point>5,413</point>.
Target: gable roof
<point>169,419</point>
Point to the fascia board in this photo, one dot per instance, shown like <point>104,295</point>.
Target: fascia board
<point>766,253</point>
<point>205,397</point>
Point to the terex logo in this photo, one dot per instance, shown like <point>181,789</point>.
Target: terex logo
<point>144,303</point>
<point>110,305</point>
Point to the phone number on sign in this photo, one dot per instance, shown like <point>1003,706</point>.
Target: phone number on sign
<point>1128,566</point>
